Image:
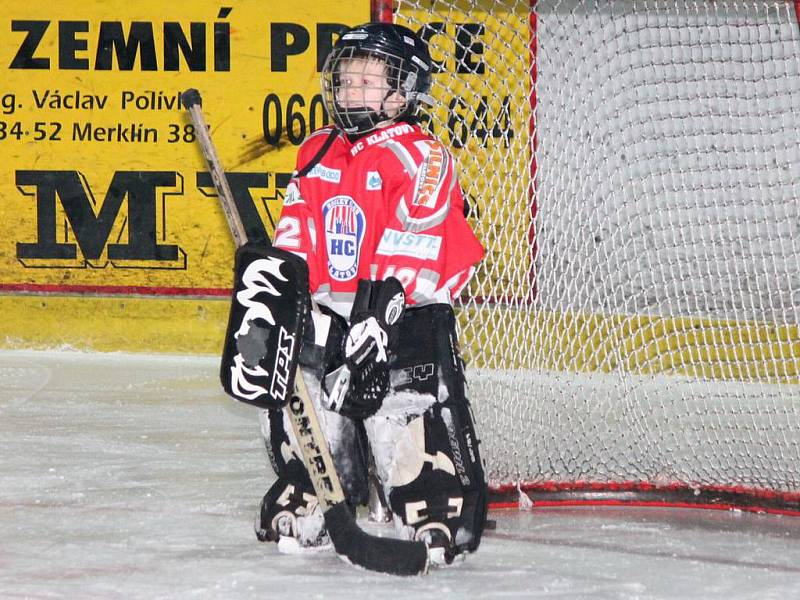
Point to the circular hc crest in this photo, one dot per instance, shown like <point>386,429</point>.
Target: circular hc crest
<point>345,226</point>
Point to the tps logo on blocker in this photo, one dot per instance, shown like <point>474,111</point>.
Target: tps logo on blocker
<point>344,231</point>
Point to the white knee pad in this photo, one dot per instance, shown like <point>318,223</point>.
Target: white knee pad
<point>396,438</point>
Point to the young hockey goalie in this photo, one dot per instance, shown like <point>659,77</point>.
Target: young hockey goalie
<point>376,211</point>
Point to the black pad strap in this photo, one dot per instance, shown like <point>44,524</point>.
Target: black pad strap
<point>320,153</point>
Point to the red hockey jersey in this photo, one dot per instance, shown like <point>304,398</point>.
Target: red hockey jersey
<point>387,205</point>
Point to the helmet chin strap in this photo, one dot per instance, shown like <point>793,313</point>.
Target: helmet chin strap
<point>358,117</point>
<point>365,114</point>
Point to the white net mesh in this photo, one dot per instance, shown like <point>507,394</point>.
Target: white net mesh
<point>633,170</point>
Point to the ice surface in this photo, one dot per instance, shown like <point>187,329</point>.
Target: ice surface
<point>134,477</point>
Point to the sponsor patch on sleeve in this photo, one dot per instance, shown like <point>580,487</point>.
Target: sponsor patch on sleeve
<point>417,245</point>
<point>292,195</point>
<point>431,175</point>
<point>325,173</point>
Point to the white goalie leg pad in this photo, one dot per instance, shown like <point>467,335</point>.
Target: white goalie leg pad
<point>290,509</point>
<point>304,524</point>
<point>396,434</point>
<point>424,439</point>
<point>290,513</point>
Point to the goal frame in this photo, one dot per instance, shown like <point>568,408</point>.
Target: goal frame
<point>542,494</point>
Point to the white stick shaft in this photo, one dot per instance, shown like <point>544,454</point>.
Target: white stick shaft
<point>313,445</point>
<point>218,176</point>
<point>300,410</point>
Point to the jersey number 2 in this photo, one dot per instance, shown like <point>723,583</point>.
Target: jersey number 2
<point>287,233</point>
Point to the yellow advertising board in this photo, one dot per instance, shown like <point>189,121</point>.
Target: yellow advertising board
<point>110,231</point>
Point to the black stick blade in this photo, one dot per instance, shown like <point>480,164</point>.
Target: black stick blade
<point>386,555</point>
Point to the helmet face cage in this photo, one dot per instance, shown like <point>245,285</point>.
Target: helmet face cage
<point>363,88</point>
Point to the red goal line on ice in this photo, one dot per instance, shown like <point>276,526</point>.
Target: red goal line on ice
<point>646,494</point>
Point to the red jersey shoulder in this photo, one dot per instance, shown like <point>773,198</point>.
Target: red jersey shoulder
<point>417,153</point>
<point>314,142</point>
<point>421,173</point>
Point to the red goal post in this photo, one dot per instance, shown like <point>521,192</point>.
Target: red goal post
<point>633,169</point>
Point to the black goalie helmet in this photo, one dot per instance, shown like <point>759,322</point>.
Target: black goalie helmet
<point>376,73</point>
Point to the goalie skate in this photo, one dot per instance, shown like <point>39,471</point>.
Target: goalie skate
<point>291,515</point>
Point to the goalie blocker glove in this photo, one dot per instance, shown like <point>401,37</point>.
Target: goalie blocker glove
<point>358,388</point>
<point>269,309</point>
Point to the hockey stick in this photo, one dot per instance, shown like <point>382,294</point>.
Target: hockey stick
<point>388,555</point>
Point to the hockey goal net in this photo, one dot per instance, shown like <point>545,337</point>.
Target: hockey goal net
<point>633,170</point>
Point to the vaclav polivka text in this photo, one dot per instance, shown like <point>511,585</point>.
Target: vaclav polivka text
<point>75,100</point>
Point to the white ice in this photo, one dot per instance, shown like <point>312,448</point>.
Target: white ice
<point>129,476</point>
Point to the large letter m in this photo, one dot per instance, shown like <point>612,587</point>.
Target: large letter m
<point>92,225</point>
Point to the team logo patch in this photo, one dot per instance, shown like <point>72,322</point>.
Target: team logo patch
<point>345,226</point>
<point>374,181</point>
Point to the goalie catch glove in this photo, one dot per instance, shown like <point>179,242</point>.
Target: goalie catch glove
<point>359,387</point>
